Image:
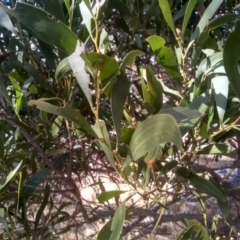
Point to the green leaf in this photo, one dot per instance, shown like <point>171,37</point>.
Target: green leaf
<point>107,66</point>
<point>105,196</point>
<point>220,21</point>
<point>120,92</point>
<point>66,111</point>
<point>167,167</point>
<point>154,89</point>
<point>153,131</point>
<point>77,65</point>
<point>43,205</point>
<point>187,14</point>
<point>231,57</point>
<point>185,117</point>
<point>1,149</point>
<point>31,184</point>
<point>218,149</point>
<point>62,69</point>
<point>105,232</point>
<point>56,125</point>
<point>117,223</point>
<point>129,59</point>
<point>15,79</point>
<point>165,57</point>
<point>167,13</point>
<point>44,26</point>
<point>106,144</point>
<point>205,186</point>
<point>10,177</point>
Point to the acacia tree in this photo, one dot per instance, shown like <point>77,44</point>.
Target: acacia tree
<point>67,88</point>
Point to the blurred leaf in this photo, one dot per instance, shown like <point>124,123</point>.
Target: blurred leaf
<point>42,206</point>
<point>5,21</point>
<point>220,86</point>
<point>10,177</point>
<point>118,220</point>
<point>221,20</point>
<point>121,23</point>
<point>187,14</point>
<point>167,167</point>
<point>62,69</point>
<point>129,59</point>
<point>153,131</point>
<point>154,89</point>
<point>15,79</point>
<point>218,149</point>
<point>77,65</point>
<point>167,13</point>
<point>193,226</point>
<point>106,144</point>
<point>1,149</point>
<point>32,183</point>
<point>66,111</point>
<point>205,186</point>
<point>126,134</point>
<point>165,57</point>
<point>105,232</point>
<point>44,26</point>
<point>120,92</point>
<point>231,57</point>
<point>56,125</point>
<point>54,7</point>
<point>120,6</point>
<point>105,196</point>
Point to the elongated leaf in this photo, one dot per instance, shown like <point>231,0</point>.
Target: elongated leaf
<point>117,222</point>
<point>10,177</point>
<point>1,149</point>
<point>220,85</point>
<point>77,65</point>
<point>5,21</point>
<point>32,183</point>
<point>105,196</point>
<point>106,145</point>
<point>129,59</point>
<point>120,91</point>
<point>42,206</point>
<point>188,13</point>
<point>218,149</point>
<point>205,186</point>
<point>66,111</point>
<point>154,89</point>
<point>44,26</point>
<point>155,130</point>
<point>62,69</point>
<point>15,79</point>
<point>105,232</point>
<point>167,13</point>
<point>165,57</point>
<point>231,57</point>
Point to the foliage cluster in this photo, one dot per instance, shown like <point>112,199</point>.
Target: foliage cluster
<point>146,82</point>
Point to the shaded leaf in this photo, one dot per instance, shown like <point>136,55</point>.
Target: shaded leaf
<point>129,59</point>
<point>66,111</point>
<point>10,177</point>
<point>153,131</point>
<point>231,57</point>
<point>44,26</point>
<point>62,69</point>
<point>119,94</point>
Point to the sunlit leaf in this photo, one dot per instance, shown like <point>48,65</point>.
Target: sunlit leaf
<point>105,196</point>
<point>153,131</point>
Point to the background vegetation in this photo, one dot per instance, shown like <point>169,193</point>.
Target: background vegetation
<point>151,84</point>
